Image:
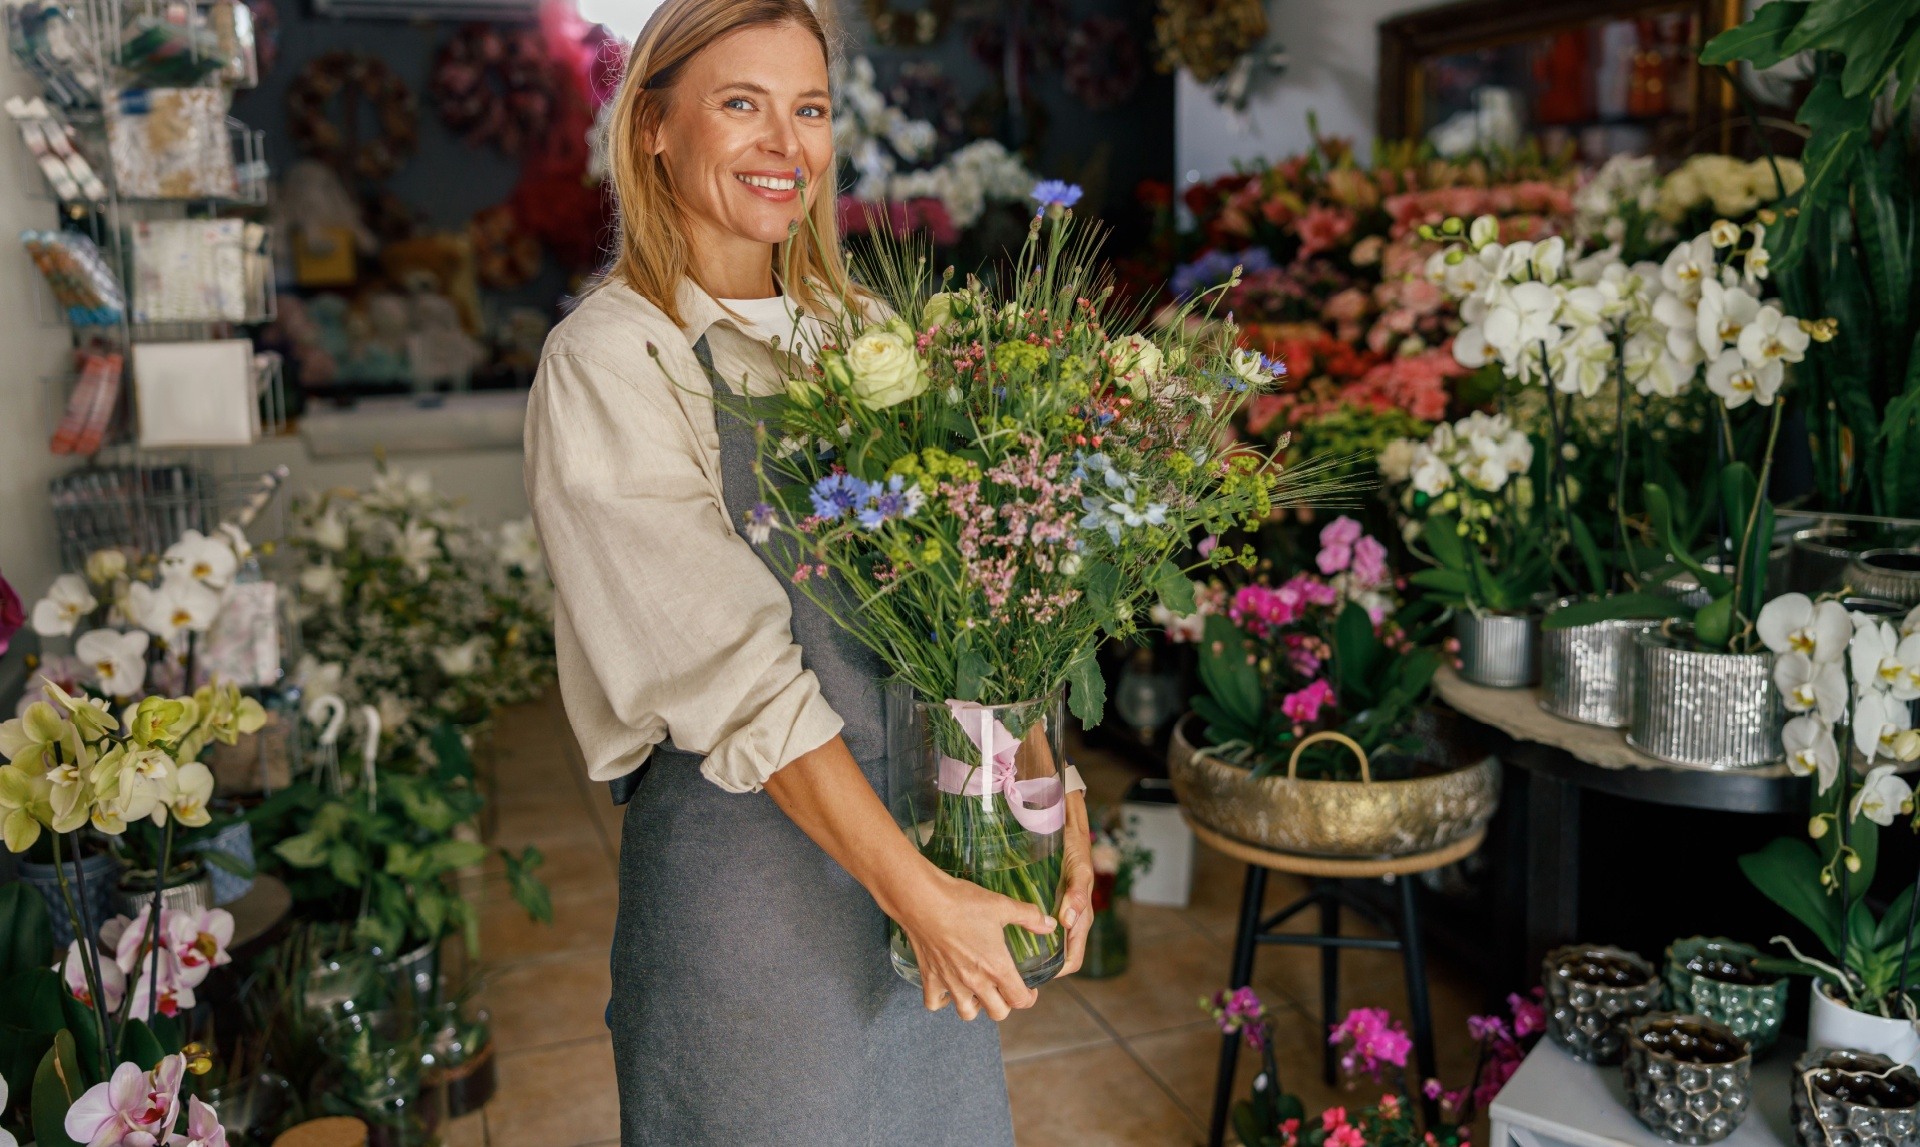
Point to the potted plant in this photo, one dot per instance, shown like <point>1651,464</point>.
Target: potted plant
<point>1118,857</point>
<point>1308,689</point>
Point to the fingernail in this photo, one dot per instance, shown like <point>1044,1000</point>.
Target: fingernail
<point>1071,918</point>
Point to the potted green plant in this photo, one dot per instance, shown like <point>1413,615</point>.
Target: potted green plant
<point>1309,688</point>
<point>1118,857</point>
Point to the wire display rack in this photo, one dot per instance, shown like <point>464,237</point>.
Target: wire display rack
<point>144,504</point>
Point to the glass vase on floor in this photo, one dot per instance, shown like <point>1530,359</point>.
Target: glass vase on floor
<point>978,789</point>
<point>1107,943</point>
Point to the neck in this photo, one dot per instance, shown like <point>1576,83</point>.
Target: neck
<point>730,266</point>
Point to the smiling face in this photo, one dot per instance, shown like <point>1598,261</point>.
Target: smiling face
<point>742,116</point>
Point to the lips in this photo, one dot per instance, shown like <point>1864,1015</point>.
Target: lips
<point>775,186</point>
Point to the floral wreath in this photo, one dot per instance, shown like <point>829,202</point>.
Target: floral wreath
<point>1207,37</point>
<point>505,254</point>
<point>494,87</point>
<point>908,29</point>
<point>1102,58</point>
<point>353,77</point>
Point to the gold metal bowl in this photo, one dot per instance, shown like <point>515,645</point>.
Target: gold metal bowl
<point>1365,818</point>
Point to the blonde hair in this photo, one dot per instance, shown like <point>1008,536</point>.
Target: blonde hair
<point>651,252</point>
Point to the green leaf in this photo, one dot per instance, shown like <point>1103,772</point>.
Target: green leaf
<point>1787,872</point>
<point>1839,125</point>
<point>430,909</point>
<point>527,889</point>
<point>1822,24</point>
<point>1086,688</point>
<point>345,862</point>
<point>1760,41</point>
<point>1444,543</point>
<point>1713,622</point>
<point>1174,587</point>
<point>1356,656</point>
<point>139,1045</point>
<point>1589,554</point>
<point>1226,675</point>
<point>1103,587</point>
<point>1661,512</point>
<point>228,863</point>
<point>1893,926</point>
<point>57,1085</point>
<point>1450,582</point>
<point>31,1001</point>
<point>26,931</point>
<point>1618,607</point>
<point>447,855</point>
<point>403,860</point>
<point>85,1027</point>
<point>308,850</point>
<point>970,671</point>
<point>455,763</point>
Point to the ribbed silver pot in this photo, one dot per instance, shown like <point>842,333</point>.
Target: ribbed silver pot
<point>1821,555</point>
<point>1893,575</point>
<point>1586,672</point>
<point>1499,649</point>
<point>1705,709</point>
<point>1684,587</point>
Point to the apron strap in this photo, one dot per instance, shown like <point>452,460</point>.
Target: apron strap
<point>622,788</point>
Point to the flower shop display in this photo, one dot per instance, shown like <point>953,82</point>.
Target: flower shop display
<point>1844,1096</point>
<point>1373,1052</point>
<point>407,605</point>
<point>1592,991</point>
<point>1889,574</point>
<point>1316,677</point>
<point>1118,857</point>
<point>1718,978</point>
<point>1689,1078</point>
<point>980,488</point>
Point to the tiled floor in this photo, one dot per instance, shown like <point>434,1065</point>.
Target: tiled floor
<point>1124,1061</point>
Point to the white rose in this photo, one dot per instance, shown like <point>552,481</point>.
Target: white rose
<point>886,370</point>
<point>1136,362</point>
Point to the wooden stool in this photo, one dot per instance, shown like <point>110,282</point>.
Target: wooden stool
<point>1329,895</point>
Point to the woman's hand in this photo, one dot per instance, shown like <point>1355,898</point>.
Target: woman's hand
<point>1076,883</point>
<point>956,929</point>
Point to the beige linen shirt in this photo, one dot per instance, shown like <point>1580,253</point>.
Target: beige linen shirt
<point>667,622</point>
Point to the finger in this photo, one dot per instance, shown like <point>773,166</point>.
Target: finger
<point>934,990</point>
<point>1029,916</point>
<point>1076,901</point>
<point>1077,943</point>
<point>965,1005</point>
<point>995,1006</point>
<point>1008,985</point>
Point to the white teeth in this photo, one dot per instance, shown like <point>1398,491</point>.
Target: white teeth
<point>770,182</point>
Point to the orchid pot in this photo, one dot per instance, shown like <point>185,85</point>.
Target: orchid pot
<point>1832,1024</point>
<point>1586,671</point>
<point>1592,991</point>
<point>1701,707</point>
<point>1843,1098</point>
<point>1689,1078</point>
<point>188,888</point>
<point>1716,978</point>
<point>1891,574</point>
<point>1501,650</point>
<point>96,874</point>
<point>1448,799</point>
<point>1819,557</point>
<point>228,857</point>
<point>980,790</point>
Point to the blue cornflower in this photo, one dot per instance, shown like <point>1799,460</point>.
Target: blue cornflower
<point>759,523</point>
<point>1273,366</point>
<point>836,495</point>
<point>1211,268</point>
<point>894,500</point>
<point>1055,193</point>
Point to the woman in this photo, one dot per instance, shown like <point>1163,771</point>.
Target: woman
<point>753,998</point>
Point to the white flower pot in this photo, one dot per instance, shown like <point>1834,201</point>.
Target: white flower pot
<point>1832,1024</point>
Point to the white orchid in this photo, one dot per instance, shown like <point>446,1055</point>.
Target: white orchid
<point>192,789</point>
<point>462,659</point>
<point>1792,623</point>
<point>104,567</point>
<point>1882,796</point>
<point>416,548</point>
<point>118,660</point>
<point>1519,319</point>
<point>323,581</point>
<point>1772,337</point>
<point>1883,661</point>
<point>1583,362</point>
<point>1723,314</point>
<point>1809,686</point>
<point>1811,750</point>
<point>316,679</point>
<point>520,547</point>
<point>400,489</point>
<point>196,557</point>
<point>1653,369</point>
<point>330,530</point>
<point>68,600</point>
<point>179,605</point>
<point>1687,267</point>
<point>1431,475</point>
<point>1737,382</point>
<point>1878,720</point>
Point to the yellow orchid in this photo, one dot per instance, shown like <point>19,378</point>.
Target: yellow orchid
<point>32,741</point>
<point>192,788</point>
<point>93,719</point>
<point>24,806</point>
<point>162,719</point>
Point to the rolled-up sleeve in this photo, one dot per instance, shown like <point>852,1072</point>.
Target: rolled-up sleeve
<point>671,626</point>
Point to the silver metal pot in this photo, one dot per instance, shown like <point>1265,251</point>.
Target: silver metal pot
<point>1586,672</point>
<point>1893,575</point>
<point>1702,708</point>
<point>1820,556</point>
<point>1499,649</point>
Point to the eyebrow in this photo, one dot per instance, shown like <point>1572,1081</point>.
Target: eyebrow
<point>745,86</point>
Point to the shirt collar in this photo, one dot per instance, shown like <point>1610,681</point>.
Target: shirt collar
<point>698,310</point>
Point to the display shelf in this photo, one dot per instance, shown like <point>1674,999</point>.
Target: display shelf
<point>145,501</point>
<point>1554,1100</point>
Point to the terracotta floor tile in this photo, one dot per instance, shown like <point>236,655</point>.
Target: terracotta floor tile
<point>560,823</point>
<point>1058,1022</point>
<point>466,1131</point>
<point>1165,978</point>
<point>560,1096</point>
<point>1154,920</point>
<point>582,921</point>
<point>1095,1097</point>
<point>549,1000</point>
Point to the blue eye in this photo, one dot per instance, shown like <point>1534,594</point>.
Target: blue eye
<point>744,103</point>
<point>814,111</point>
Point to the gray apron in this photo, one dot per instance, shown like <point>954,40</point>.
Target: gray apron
<point>753,1000</point>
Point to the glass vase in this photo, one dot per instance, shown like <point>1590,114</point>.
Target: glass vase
<point>978,789</point>
<point>1107,944</point>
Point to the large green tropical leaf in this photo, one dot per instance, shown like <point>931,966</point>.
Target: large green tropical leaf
<point>56,1085</point>
<point>1787,872</point>
<point>26,931</point>
<point>1761,41</point>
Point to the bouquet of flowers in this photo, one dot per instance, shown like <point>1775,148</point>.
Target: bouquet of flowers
<point>405,604</point>
<point>981,487</point>
<point>1319,652</point>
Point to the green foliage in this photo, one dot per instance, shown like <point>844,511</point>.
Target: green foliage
<point>57,1084</point>
<point>26,931</point>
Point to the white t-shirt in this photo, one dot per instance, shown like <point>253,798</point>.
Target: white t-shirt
<point>773,318</point>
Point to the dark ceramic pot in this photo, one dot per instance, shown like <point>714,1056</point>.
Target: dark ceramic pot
<point>1689,1078</point>
<point>1715,977</point>
<point>1854,1098</point>
<point>1592,991</point>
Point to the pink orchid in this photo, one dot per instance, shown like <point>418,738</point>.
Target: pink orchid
<point>1303,706</point>
<point>1369,562</point>
<point>1336,544</point>
<point>113,982</point>
<point>1322,228</point>
<point>1529,1014</point>
<point>133,1109</point>
<point>13,615</point>
<point>203,1127</point>
<point>1373,1042</point>
<point>1332,1118</point>
<point>199,938</point>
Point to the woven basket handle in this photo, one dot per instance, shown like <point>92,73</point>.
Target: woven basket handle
<point>1366,774</point>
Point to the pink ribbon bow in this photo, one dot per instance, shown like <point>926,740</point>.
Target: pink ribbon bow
<point>1040,805</point>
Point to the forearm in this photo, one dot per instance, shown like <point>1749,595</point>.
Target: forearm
<point>825,793</point>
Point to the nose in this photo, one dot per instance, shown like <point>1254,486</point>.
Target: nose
<point>781,139</point>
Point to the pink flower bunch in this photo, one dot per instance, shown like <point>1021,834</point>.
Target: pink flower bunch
<point>1345,548</point>
<point>1340,1133</point>
<point>1239,1011</point>
<point>1504,1044</point>
<point>858,216</point>
<point>1321,228</point>
<point>1417,384</point>
<point>139,1108</point>
<point>1303,705</point>
<point>192,945</point>
<point>1028,524</point>
<point>1372,1042</point>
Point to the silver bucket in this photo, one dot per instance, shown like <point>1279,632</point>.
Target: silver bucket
<point>1499,649</point>
<point>1586,672</point>
<point>1704,709</point>
<point>1892,575</point>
